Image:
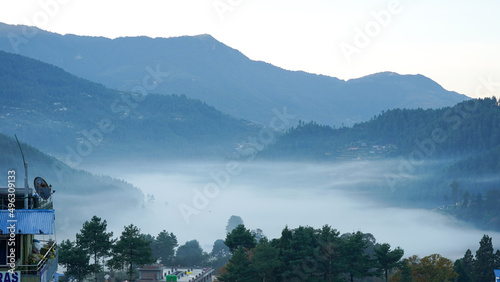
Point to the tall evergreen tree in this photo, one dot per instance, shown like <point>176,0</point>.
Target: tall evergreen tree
<point>163,247</point>
<point>463,273</point>
<point>303,256</point>
<point>468,260</point>
<point>132,249</point>
<point>240,237</point>
<point>406,275</point>
<point>190,254</point>
<point>238,268</point>
<point>94,240</point>
<point>220,255</point>
<point>233,222</point>
<point>330,253</point>
<point>387,259</point>
<point>75,260</point>
<point>358,263</point>
<point>284,246</point>
<point>497,259</point>
<point>464,267</point>
<point>485,261</point>
<point>264,261</point>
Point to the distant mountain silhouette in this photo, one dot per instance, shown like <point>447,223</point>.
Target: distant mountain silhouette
<point>203,68</point>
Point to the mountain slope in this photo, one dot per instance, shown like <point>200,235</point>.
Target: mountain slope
<point>76,119</point>
<point>203,68</point>
<point>468,128</point>
<point>71,181</point>
<point>77,192</point>
<point>447,158</point>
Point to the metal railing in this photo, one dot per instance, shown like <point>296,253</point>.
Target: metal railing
<point>204,275</point>
<point>34,202</point>
<point>46,265</point>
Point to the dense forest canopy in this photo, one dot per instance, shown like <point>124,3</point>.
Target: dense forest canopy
<point>303,253</point>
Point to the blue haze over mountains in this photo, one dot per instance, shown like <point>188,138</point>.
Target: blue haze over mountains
<point>211,99</point>
<point>78,120</point>
<point>203,68</point>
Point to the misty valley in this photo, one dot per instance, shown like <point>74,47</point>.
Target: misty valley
<point>177,140</point>
<point>194,200</point>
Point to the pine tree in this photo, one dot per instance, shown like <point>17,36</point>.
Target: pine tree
<point>190,254</point>
<point>240,237</point>
<point>132,249</point>
<point>264,261</point>
<point>406,275</point>
<point>468,264</point>
<point>163,247</point>
<point>75,260</point>
<point>94,240</point>
<point>485,261</point>
<point>358,263</point>
<point>497,259</point>
<point>238,268</point>
<point>387,259</point>
<point>233,222</point>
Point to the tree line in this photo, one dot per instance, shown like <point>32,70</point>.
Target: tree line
<point>478,208</point>
<point>300,254</point>
<point>95,248</point>
<point>470,128</point>
<point>307,254</point>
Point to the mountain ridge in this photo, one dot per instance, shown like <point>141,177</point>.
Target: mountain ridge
<point>468,129</point>
<point>201,67</point>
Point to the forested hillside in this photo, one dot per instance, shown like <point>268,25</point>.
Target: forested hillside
<point>470,128</point>
<point>446,158</point>
<point>67,182</point>
<point>75,119</point>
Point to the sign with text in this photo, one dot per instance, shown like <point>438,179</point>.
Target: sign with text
<point>10,276</point>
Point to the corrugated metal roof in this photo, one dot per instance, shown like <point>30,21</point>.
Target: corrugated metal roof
<point>28,221</point>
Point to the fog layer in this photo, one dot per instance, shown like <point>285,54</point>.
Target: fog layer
<point>195,201</point>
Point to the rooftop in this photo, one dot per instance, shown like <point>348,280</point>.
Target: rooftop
<point>32,221</point>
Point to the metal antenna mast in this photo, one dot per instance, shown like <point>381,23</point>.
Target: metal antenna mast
<point>26,187</point>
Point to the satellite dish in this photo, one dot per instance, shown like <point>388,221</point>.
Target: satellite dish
<point>42,188</point>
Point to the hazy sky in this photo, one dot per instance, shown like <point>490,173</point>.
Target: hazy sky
<point>456,43</point>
